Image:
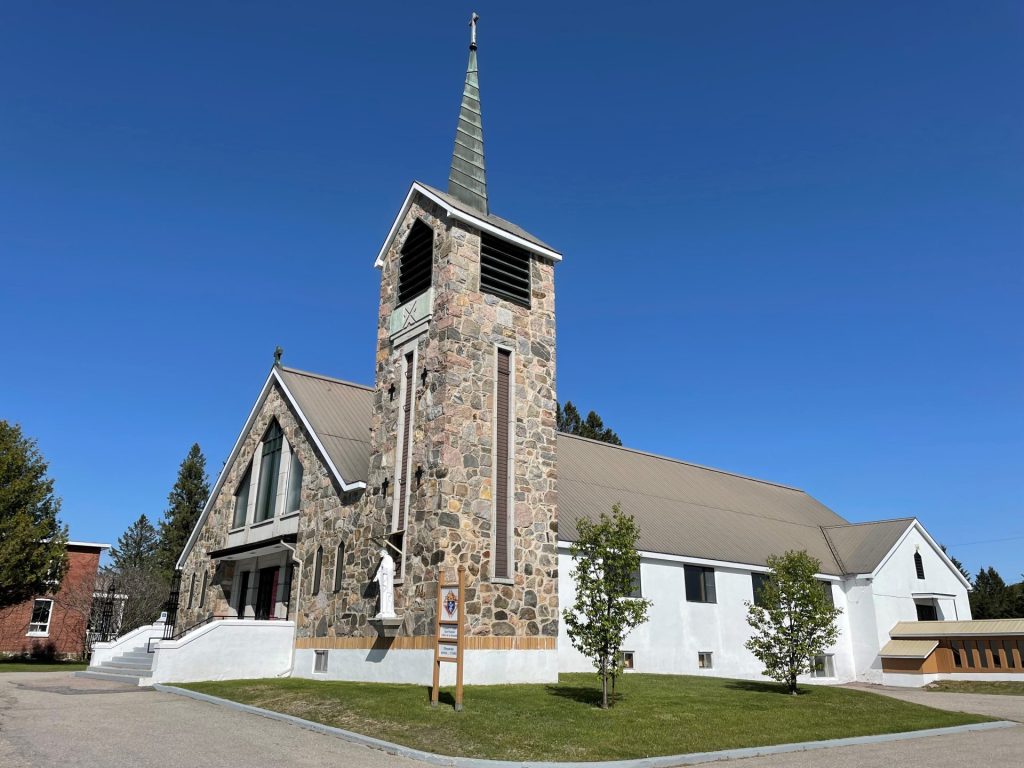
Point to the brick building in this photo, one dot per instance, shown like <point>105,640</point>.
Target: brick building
<point>55,623</point>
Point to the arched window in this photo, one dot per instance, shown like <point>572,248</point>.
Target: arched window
<point>339,567</point>
<point>317,568</point>
<point>919,565</point>
<point>270,463</point>
<point>417,262</point>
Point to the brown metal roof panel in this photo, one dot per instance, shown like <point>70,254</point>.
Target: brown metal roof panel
<point>912,629</point>
<point>908,649</point>
<point>862,546</point>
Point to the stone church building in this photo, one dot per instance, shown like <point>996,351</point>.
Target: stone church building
<point>452,457</point>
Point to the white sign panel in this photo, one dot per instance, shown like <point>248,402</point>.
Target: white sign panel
<point>447,650</point>
<point>449,631</point>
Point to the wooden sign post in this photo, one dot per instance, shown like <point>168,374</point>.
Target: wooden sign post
<point>450,625</point>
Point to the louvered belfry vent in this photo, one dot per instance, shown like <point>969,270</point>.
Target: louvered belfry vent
<point>504,270</point>
<point>417,260</point>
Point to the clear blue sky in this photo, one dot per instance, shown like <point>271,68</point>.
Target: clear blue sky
<point>793,232</point>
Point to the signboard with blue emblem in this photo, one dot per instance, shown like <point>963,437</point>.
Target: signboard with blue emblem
<point>450,641</point>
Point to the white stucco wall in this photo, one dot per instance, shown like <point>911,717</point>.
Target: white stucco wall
<point>136,640</point>
<point>416,666</point>
<point>677,630</point>
<point>229,649</point>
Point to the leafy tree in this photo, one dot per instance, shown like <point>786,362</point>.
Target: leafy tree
<point>33,559</point>
<point>604,613</point>
<point>795,621</point>
<point>960,566</point>
<point>136,547</point>
<point>570,422</point>
<point>185,502</point>
<point>991,598</point>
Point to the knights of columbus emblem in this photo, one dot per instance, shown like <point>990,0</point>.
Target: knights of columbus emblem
<point>451,602</point>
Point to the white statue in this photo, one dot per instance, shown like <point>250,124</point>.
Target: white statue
<point>385,578</point>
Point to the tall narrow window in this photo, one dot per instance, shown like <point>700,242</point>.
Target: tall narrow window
<point>919,565</point>
<point>294,484</point>
<point>638,587</point>
<point>339,567</point>
<point>502,556</point>
<point>202,592</point>
<point>758,581</point>
<point>414,268</point>
<point>318,566</point>
<point>504,270</point>
<point>242,499</point>
<point>826,589</point>
<point>397,538</point>
<point>270,463</point>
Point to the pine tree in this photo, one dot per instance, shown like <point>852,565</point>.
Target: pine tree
<point>795,621</point>
<point>185,502</point>
<point>960,566</point>
<point>136,547</point>
<point>570,422</point>
<point>991,598</point>
<point>605,610</point>
<point>33,557</point>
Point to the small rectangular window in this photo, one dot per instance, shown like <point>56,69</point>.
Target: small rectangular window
<point>700,584</point>
<point>294,484</point>
<point>638,589</point>
<point>823,666</point>
<point>704,660</point>
<point>758,582</point>
<point>319,661</point>
<point>42,610</point>
<point>242,499</point>
<point>627,659</point>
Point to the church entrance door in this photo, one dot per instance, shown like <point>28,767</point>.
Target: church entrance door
<point>266,594</point>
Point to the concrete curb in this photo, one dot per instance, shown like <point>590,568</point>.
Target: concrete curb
<point>661,761</point>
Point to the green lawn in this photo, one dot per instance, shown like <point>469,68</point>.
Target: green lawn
<point>1009,688</point>
<point>656,715</point>
<point>40,666</point>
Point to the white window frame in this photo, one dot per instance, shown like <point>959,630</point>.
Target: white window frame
<point>701,660</point>
<point>828,670</point>
<point>49,618</point>
<point>632,661</point>
<point>321,659</point>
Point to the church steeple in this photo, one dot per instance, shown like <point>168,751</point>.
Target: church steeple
<point>467,179</point>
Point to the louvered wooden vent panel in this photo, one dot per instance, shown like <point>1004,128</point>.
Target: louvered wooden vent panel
<point>416,262</point>
<point>504,270</point>
<point>501,470</point>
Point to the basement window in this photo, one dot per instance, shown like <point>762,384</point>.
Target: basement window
<point>704,660</point>
<point>320,661</point>
<point>504,270</point>
<point>416,262</point>
<point>823,666</point>
<point>627,659</point>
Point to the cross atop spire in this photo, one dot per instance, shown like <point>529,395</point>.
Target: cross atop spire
<point>467,180</point>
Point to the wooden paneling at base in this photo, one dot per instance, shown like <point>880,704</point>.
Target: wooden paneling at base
<point>425,643</point>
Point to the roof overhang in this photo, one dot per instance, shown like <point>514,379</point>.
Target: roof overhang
<point>273,378</point>
<point>908,649</point>
<point>459,215</point>
<point>88,544</point>
<point>256,548</point>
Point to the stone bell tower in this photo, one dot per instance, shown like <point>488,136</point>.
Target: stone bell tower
<point>463,450</point>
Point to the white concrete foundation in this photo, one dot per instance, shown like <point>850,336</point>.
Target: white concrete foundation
<point>229,649</point>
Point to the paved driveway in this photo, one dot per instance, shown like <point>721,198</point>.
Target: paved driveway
<point>53,719</point>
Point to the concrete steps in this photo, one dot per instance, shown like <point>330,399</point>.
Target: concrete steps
<point>133,667</point>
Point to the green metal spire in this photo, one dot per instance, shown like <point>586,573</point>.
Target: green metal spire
<point>467,179</point>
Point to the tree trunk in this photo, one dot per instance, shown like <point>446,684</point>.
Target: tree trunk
<point>604,689</point>
<point>792,685</point>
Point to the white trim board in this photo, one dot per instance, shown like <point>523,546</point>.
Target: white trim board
<point>273,377</point>
<point>459,215</point>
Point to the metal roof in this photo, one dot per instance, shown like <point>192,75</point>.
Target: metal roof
<point>689,510</point>
<point>467,179</point>
<point>681,508</point>
<point>860,547</point>
<point>908,649</point>
<point>339,412</point>
<point>911,629</point>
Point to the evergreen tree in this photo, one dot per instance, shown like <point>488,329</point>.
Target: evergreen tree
<point>991,598</point>
<point>960,566</point>
<point>570,422</point>
<point>185,502</point>
<point>795,621</point>
<point>606,562</point>
<point>33,557</point>
<point>136,547</point>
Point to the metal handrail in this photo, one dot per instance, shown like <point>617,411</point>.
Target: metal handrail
<point>216,617</point>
